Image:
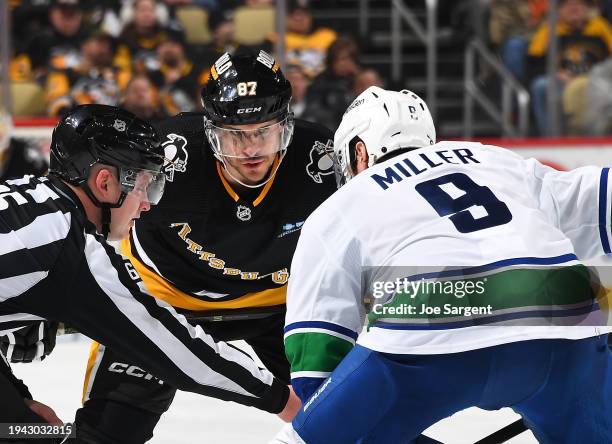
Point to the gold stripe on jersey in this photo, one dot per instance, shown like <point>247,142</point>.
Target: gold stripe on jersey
<point>162,289</point>
<point>264,191</point>
<point>93,352</point>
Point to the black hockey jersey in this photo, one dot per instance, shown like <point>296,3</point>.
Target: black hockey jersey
<point>20,159</point>
<point>204,247</point>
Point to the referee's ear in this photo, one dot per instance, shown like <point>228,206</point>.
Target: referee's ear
<point>105,185</point>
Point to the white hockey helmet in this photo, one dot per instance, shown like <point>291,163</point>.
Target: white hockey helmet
<point>385,121</point>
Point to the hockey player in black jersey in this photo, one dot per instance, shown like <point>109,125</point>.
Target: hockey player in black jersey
<point>56,264</point>
<point>17,157</point>
<point>244,176</point>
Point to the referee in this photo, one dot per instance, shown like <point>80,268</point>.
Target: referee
<point>55,264</point>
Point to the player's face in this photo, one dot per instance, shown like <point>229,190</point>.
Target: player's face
<point>249,150</point>
<point>136,201</point>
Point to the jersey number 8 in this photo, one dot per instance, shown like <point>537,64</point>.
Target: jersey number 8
<point>456,194</point>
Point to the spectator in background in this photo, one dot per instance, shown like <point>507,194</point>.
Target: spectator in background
<point>20,67</point>
<point>206,4</point>
<point>299,86</point>
<point>364,79</point>
<point>17,157</point>
<point>222,30</point>
<point>140,98</point>
<point>59,47</point>
<point>141,36</point>
<point>598,110</point>
<point>258,3</point>
<point>94,80</point>
<point>331,92</point>
<point>606,9</point>
<point>177,78</point>
<point>28,18</point>
<point>105,16</point>
<point>584,39</point>
<point>512,24</point>
<point>303,45</point>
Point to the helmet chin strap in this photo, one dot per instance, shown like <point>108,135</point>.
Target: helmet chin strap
<point>105,208</point>
<point>270,176</point>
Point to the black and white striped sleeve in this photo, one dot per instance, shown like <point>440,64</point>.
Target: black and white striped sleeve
<point>151,333</point>
<point>33,229</point>
<point>54,266</point>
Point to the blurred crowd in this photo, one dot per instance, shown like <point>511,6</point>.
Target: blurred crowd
<point>141,55</point>
<point>520,31</point>
<point>153,56</point>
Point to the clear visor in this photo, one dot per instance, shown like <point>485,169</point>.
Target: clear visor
<point>146,184</point>
<point>341,168</point>
<point>249,143</point>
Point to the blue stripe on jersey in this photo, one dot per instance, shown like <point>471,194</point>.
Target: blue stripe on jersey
<point>546,314</point>
<point>494,265</point>
<point>323,325</point>
<point>603,205</point>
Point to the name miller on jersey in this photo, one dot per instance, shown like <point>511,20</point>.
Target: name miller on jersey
<point>421,162</point>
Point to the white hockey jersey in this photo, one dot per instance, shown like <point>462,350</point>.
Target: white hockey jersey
<point>480,209</point>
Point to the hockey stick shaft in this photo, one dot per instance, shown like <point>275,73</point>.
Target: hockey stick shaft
<point>505,433</point>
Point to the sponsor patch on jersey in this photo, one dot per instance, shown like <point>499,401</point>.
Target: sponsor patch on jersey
<point>289,228</point>
<point>321,161</point>
<point>176,155</point>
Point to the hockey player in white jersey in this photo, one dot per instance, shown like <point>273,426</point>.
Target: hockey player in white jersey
<point>466,262</point>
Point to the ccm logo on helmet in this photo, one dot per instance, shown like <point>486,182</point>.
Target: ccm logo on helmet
<point>248,110</point>
<point>132,370</point>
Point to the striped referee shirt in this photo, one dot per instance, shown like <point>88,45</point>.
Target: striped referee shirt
<point>53,265</point>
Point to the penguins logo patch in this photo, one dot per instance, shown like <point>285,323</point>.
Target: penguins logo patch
<point>176,155</point>
<point>321,161</point>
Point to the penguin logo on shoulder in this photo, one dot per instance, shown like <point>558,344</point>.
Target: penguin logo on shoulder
<point>176,155</point>
<point>321,161</point>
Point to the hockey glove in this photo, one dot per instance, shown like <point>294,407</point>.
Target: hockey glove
<point>30,343</point>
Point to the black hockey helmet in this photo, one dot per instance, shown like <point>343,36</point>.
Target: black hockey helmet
<point>104,134</point>
<point>92,134</point>
<point>245,89</point>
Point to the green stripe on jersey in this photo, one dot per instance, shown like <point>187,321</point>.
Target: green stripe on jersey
<point>511,290</point>
<point>315,351</point>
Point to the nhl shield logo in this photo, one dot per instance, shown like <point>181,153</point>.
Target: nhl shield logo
<point>119,125</point>
<point>243,213</point>
<point>321,161</point>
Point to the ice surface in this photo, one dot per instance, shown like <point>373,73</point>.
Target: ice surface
<point>57,381</point>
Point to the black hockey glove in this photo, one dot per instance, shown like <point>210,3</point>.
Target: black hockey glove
<point>30,343</point>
